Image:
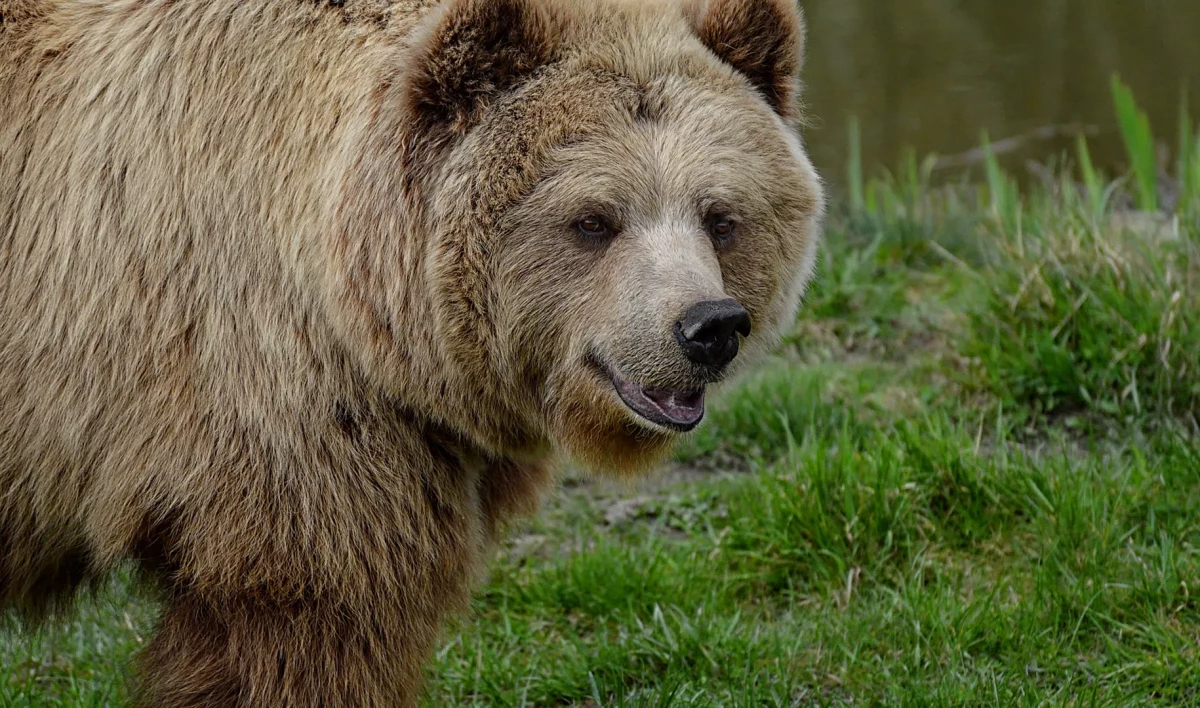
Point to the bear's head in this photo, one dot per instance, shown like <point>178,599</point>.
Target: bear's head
<point>615,209</point>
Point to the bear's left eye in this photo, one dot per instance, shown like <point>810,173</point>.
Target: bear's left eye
<point>721,228</point>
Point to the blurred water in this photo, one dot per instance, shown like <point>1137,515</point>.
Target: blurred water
<point>933,74</point>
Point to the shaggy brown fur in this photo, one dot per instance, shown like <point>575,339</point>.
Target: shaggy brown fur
<point>293,312</point>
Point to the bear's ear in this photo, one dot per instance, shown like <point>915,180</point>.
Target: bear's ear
<point>472,51</point>
<point>762,39</point>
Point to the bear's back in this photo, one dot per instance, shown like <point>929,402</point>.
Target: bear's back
<point>159,163</point>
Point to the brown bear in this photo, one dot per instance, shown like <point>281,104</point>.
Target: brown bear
<point>299,300</point>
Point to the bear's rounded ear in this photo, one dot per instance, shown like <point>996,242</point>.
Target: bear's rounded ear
<point>470,52</point>
<point>762,39</point>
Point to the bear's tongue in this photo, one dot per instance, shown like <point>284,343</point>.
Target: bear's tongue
<point>677,404</point>
<point>679,407</point>
<point>669,407</point>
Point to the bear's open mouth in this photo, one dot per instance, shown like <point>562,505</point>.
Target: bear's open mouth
<point>677,409</point>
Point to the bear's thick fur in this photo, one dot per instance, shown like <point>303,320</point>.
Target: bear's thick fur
<point>298,299</point>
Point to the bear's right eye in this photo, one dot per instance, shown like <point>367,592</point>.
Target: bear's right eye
<point>593,227</point>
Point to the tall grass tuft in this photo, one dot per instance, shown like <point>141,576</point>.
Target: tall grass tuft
<point>1092,320</point>
<point>1098,314</point>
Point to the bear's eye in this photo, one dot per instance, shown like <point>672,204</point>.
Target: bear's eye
<point>720,227</point>
<point>593,227</point>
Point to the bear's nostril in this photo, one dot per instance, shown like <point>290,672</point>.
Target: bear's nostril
<point>708,332</point>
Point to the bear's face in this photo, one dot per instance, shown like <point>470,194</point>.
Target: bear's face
<point>641,215</point>
<point>648,259</point>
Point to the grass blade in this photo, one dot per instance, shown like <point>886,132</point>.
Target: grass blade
<point>854,170</point>
<point>1091,179</point>
<point>1005,200</point>
<point>1139,144</point>
<point>1188,162</point>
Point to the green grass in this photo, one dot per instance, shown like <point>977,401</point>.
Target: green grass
<point>969,477</point>
<point>901,566</point>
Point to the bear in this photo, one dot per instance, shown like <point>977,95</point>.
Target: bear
<point>302,301</point>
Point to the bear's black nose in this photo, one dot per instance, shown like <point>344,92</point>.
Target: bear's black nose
<point>709,331</point>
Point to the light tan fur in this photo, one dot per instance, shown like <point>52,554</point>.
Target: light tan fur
<point>291,312</point>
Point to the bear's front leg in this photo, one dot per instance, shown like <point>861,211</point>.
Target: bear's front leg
<point>243,651</point>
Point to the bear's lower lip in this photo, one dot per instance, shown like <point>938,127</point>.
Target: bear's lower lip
<point>679,410</point>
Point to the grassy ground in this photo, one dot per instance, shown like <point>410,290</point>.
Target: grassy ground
<point>970,477</point>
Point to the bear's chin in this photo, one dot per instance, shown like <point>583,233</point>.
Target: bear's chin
<point>604,439</point>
